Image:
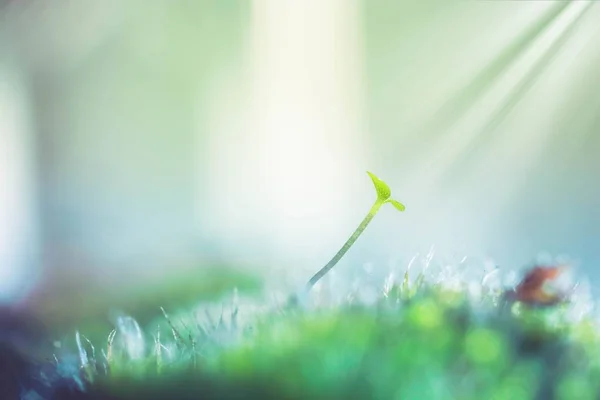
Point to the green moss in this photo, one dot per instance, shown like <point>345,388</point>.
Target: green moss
<point>422,347</point>
<point>420,340</point>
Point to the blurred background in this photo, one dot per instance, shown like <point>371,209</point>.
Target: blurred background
<point>147,146</point>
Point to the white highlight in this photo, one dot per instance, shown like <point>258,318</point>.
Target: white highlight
<point>131,337</point>
<point>17,235</point>
<point>283,176</point>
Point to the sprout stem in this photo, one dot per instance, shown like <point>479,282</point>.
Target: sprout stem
<point>321,273</point>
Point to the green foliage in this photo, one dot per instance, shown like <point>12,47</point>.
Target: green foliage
<point>383,190</point>
<point>399,206</point>
<point>384,193</point>
<point>419,340</point>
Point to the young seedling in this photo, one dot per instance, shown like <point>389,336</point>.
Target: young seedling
<point>383,196</point>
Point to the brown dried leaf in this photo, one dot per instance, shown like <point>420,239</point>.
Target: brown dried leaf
<point>531,289</point>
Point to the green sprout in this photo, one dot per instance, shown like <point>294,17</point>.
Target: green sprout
<point>383,196</point>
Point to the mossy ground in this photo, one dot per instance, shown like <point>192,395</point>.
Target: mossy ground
<point>419,339</point>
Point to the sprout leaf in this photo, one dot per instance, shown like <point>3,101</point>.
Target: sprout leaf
<point>383,190</point>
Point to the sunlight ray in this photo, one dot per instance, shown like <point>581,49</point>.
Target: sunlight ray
<point>451,146</point>
<point>459,103</point>
<point>487,137</point>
